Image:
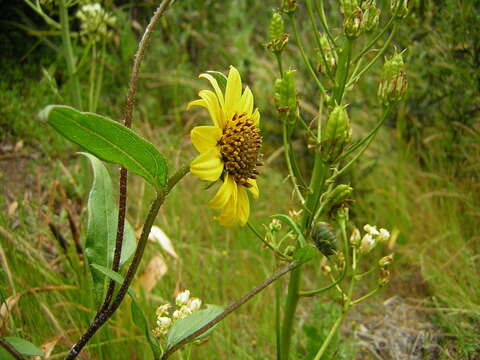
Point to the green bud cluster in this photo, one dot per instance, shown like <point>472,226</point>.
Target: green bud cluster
<point>347,7</point>
<point>360,19</point>
<point>286,97</point>
<point>324,238</point>
<point>394,83</point>
<point>399,8</point>
<point>289,6</point>
<point>337,134</point>
<point>329,63</point>
<point>371,15</point>
<point>336,198</point>
<point>277,38</point>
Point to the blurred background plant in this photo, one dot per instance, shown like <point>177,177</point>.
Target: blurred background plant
<point>421,175</point>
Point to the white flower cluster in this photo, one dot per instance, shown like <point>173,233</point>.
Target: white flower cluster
<point>94,22</point>
<point>185,305</point>
<point>370,239</point>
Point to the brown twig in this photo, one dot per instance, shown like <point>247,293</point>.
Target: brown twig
<point>103,316</point>
<point>231,308</point>
<point>11,350</point>
<point>127,121</point>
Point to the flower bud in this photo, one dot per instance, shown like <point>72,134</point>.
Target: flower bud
<point>355,237</point>
<point>371,16</point>
<point>164,322</point>
<point>337,134</point>
<point>194,304</point>
<point>347,7</point>
<point>326,269</point>
<point>399,8</point>
<point>324,238</point>
<point>289,250</point>
<point>383,236</point>
<point>182,298</point>
<point>163,309</point>
<point>275,225</point>
<point>385,261</point>
<point>384,278</point>
<point>371,229</point>
<point>277,39</point>
<point>336,198</point>
<point>352,23</point>
<point>367,244</point>
<point>286,98</point>
<point>327,61</point>
<point>393,85</point>
<point>289,6</point>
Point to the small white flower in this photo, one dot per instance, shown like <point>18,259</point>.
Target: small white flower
<point>384,235</point>
<point>355,237</point>
<point>177,314</point>
<point>367,244</point>
<point>163,309</point>
<point>164,323</point>
<point>194,304</point>
<point>182,298</point>
<point>372,230</point>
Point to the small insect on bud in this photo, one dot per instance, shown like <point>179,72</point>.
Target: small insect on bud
<point>336,198</point>
<point>399,8</point>
<point>182,298</point>
<point>355,237</point>
<point>289,6</point>
<point>385,261</point>
<point>285,96</point>
<point>367,244</point>
<point>394,83</point>
<point>277,38</point>
<point>352,23</point>
<point>384,278</point>
<point>337,134</point>
<point>324,238</point>
<point>371,16</point>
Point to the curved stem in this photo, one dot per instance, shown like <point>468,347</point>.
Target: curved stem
<point>267,244</point>
<point>321,12</point>
<point>374,41</point>
<point>231,308</point>
<point>102,317</point>
<point>304,57</point>
<point>366,296</point>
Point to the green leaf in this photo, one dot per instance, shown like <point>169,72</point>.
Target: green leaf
<point>102,226</point>
<point>287,220</point>
<point>188,325</point>
<point>109,141</point>
<point>24,347</point>
<point>305,254</point>
<point>114,276</point>
<point>139,319</point>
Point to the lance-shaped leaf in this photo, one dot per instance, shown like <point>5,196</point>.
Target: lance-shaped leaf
<point>109,141</point>
<point>102,226</point>
<point>109,273</point>
<point>139,319</point>
<point>188,325</point>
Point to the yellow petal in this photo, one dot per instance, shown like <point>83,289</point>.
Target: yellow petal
<point>199,102</point>
<point>207,166</point>
<point>246,104</point>
<point>256,117</point>
<point>205,137</point>
<point>213,108</point>
<point>215,86</point>
<point>227,192</point>
<point>233,93</point>
<point>254,189</point>
<point>243,206</point>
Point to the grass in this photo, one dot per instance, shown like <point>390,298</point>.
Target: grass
<point>408,181</point>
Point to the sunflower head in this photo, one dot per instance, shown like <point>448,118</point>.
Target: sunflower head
<point>229,148</point>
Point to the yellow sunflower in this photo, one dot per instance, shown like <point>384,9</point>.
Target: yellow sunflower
<point>230,148</point>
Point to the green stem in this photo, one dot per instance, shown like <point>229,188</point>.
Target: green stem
<point>93,70</point>
<point>45,17</point>
<point>305,58</point>
<point>374,60</point>
<point>286,149</point>
<point>342,72</point>
<point>278,56</point>
<point>70,58</point>
<point>267,244</point>
<point>374,41</point>
<point>290,308</point>
<point>321,13</point>
<point>366,296</point>
<point>329,338</point>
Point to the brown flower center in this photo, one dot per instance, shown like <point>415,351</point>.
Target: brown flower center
<point>240,149</point>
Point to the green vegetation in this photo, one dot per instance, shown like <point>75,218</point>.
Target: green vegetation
<point>420,177</point>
